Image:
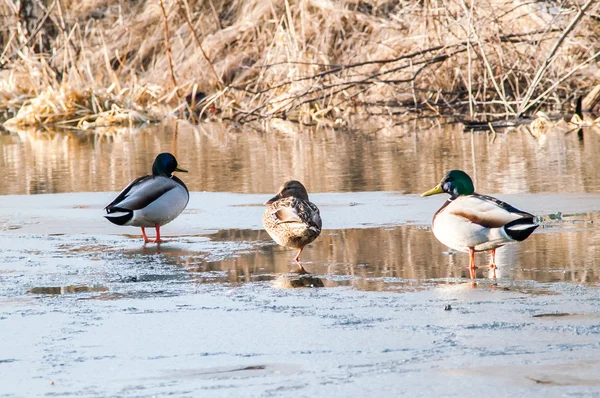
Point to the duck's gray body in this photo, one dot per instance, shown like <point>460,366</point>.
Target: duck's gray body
<point>149,201</point>
<point>291,219</point>
<point>481,223</point>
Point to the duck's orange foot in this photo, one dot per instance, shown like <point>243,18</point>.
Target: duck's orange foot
<point>144,236</point>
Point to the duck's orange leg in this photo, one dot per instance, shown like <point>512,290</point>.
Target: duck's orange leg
<point>493,259</point>
<point>301,269</point>
<point>297,258</point>
<point>146,240</point>
<point>472,258</point>
<point>472,273</point>
<point>158,240</point>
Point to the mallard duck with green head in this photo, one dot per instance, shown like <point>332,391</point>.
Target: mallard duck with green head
<point>151,201</point>
<point>291,219</point>
<point>470,222</point>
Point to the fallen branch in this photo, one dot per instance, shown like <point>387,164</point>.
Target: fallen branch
<point>525,104</point>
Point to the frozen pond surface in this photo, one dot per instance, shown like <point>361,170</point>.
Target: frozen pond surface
<point>87,310</point>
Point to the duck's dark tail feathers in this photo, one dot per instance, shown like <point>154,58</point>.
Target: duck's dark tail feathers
<point>118,215</point>
<point>520,229</point>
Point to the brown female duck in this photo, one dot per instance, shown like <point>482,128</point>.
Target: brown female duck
<point>291,219</point>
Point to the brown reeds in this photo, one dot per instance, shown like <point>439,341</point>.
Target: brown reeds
<point>168,46</point>
<point>305,61</point>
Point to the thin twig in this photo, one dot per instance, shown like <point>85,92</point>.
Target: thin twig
<point>562,79</point>
<point>199,44</point>
<point>523,106</point>
<point>335,68</point>
<point>469,61</point>
<point>215,15</point>
<point>372,79</point>
<point>33,34</point>
<point>493,131</point>
<point>168,46</point>
<point>499,89</point>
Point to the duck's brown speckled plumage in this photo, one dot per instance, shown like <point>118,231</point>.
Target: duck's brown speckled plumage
<point>291,219</point>
<point>292,222</point>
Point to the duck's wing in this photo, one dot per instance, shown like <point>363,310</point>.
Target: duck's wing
<point>485,210</point>
<point>315,215</point>
<point>178,181</point>
<point>294,210</point>
<point>503,205</point>
<point>140,193</point>
<point>286,214</point>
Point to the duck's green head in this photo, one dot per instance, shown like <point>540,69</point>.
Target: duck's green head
<point>290,188</point>
<point>455,183</point>
<point>165,164</point>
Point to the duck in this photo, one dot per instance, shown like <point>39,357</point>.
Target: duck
<point>153,200</point>
<point>471,222</point>
<point>291,220</point>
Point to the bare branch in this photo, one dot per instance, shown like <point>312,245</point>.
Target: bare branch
<point>168,46</point>
<point>524,105</point>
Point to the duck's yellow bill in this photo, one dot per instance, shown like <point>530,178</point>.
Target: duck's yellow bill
<point>433,191</point>
<point>181,170</point>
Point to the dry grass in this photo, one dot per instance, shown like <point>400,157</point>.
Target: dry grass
<point>100,62</point>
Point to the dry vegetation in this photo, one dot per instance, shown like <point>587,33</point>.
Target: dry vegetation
<point>98,62</point>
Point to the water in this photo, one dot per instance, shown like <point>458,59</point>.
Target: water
<point>407,159</point>
<point>87,310</point>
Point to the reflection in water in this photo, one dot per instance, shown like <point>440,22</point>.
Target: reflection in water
<point>565,249</point>
<point>405,158</point>
<point>294,281</point>
<point>66,289</point>
<point>381,259</point>
<point>378,258</point>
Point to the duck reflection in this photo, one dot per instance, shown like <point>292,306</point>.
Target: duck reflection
<point>297,280</point>
<point>377,258</point>
<point>370,259</point>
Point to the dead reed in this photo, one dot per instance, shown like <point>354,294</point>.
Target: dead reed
<point>95,62</point>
